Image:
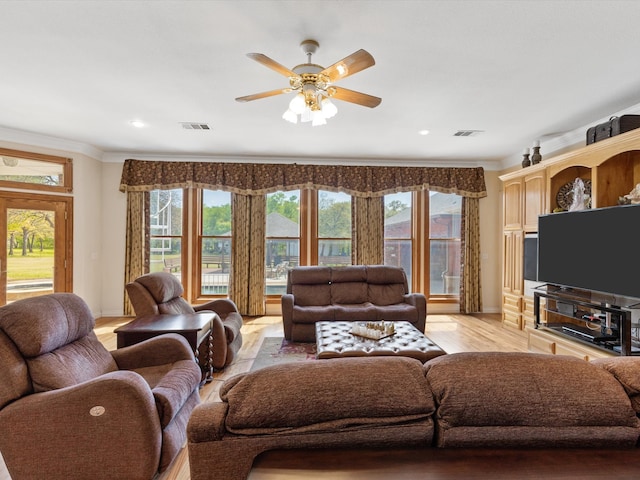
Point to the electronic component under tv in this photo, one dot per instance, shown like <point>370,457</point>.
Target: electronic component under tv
<point>530,267</point>
<point>597,250</point>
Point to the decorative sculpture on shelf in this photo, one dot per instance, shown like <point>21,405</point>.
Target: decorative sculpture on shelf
<point>633,197</point>
<point>581,200</point>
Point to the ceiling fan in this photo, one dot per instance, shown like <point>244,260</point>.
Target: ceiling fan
<point>314,85</point>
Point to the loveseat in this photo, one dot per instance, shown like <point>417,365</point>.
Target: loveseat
<point>500,401</point>
<point>351,293</point>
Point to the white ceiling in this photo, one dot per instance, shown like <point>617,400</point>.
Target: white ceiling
<point>516,70</point>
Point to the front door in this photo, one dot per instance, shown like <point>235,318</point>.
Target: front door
<point>37,259</point>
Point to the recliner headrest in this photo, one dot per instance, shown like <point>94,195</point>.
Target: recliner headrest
<point>162,286</point>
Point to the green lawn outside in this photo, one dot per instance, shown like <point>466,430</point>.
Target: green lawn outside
<point>34,266</point>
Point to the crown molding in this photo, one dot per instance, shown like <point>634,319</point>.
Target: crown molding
<point>44,141</point>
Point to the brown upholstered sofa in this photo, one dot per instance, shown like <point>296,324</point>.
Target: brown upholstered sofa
<point>466,400</point>
<point>351,293</point>
<point>70,409</point>
<point>161,293</point>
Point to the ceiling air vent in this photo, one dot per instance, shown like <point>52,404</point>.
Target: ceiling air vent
<point>467,133</point>
<point>195,126</point>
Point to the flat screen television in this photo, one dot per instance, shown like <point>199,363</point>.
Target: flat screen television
<point>596,250</point>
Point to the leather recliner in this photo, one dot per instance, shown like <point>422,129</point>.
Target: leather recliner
<point>70,409</point>
<point>161,293</point>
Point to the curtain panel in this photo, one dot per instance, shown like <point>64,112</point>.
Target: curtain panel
<point>246,279</point>
<point>470,288</point>
<point>367,231</point>
<point>263,178</point>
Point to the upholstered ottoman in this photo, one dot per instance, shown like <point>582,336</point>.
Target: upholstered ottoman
<point>334,340</point>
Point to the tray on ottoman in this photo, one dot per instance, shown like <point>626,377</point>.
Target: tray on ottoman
<point>335,340</point>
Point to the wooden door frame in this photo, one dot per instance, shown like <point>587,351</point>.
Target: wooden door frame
<point>63,260</point>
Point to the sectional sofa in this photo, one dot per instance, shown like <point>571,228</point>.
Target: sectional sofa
<point>465,401</point>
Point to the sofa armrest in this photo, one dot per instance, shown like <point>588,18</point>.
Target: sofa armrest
<point>221,306</point>
<point>419,301</point>
<point>77,432</point>
<point>286,302</point>
<point>207,422</point>
<point>166,348</point>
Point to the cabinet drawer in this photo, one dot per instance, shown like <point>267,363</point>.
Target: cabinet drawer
<point>511,302</point>
<point>511,319</point>
<point>564,349</point>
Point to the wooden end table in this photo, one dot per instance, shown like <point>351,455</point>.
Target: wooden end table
<point>194,327</point>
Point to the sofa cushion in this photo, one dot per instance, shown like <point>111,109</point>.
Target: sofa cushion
<point>313,275</point>
<point>388,294</point>
<point>325,396</point>
<point>365,312</point>
<point>396,312</point>
<point>307,295</point>
<point>313,314</point>
<point>383,274</point>
<point>351,273</point>
<point>528,400</point>
<point>627,372</point>
<point>349,292</point>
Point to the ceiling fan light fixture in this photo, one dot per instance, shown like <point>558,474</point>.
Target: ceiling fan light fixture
<point>328,108</point>
<point>317,118</point>
<point>290,116</point>
<point>297,104</point>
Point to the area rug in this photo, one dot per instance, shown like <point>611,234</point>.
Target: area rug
<point>277,350</point>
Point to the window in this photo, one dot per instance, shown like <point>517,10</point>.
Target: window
<point>445,212</point>
<point>282,249</point>
<point>165,226</point>
<point>34,171</point>
<point>334,228</point>
<point>398,237</point>
<point>215,242</point>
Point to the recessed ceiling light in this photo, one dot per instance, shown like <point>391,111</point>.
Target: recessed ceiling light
<point>136,123</point>
<point>423,132</point>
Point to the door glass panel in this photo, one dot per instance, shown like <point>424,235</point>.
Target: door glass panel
<point>30,253</point>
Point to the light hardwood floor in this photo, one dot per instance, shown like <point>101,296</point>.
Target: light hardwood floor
<point>453,333</point>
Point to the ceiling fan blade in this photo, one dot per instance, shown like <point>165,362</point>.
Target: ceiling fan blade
<point>272,64</point>
<point>257,96</point>
<point>354,63</point>
<point>355,97</point>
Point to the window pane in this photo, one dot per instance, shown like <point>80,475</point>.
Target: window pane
<point>334,215</point>
<point>398,244</point>
<point>334,253</point>
<point>215,256</point>
<point>282,247</point>
<point>397,215</point>
<point>445,267</point>
<point>444,213</point>
<point>165,224</point>
<point>166,212</point>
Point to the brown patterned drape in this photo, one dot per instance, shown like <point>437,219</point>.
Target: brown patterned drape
<point>246,280</point>
<point>470,288</point>
<point>262,178</point>
<point>136,262</point>
<point>251,181</point>
<point>367,230</point>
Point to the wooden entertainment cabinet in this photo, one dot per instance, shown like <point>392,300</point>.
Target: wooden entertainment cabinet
<point>611,168</point>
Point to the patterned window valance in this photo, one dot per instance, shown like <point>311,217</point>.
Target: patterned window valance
<point>262,178</point>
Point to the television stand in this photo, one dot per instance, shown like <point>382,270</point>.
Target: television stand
<point>573,314</point>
